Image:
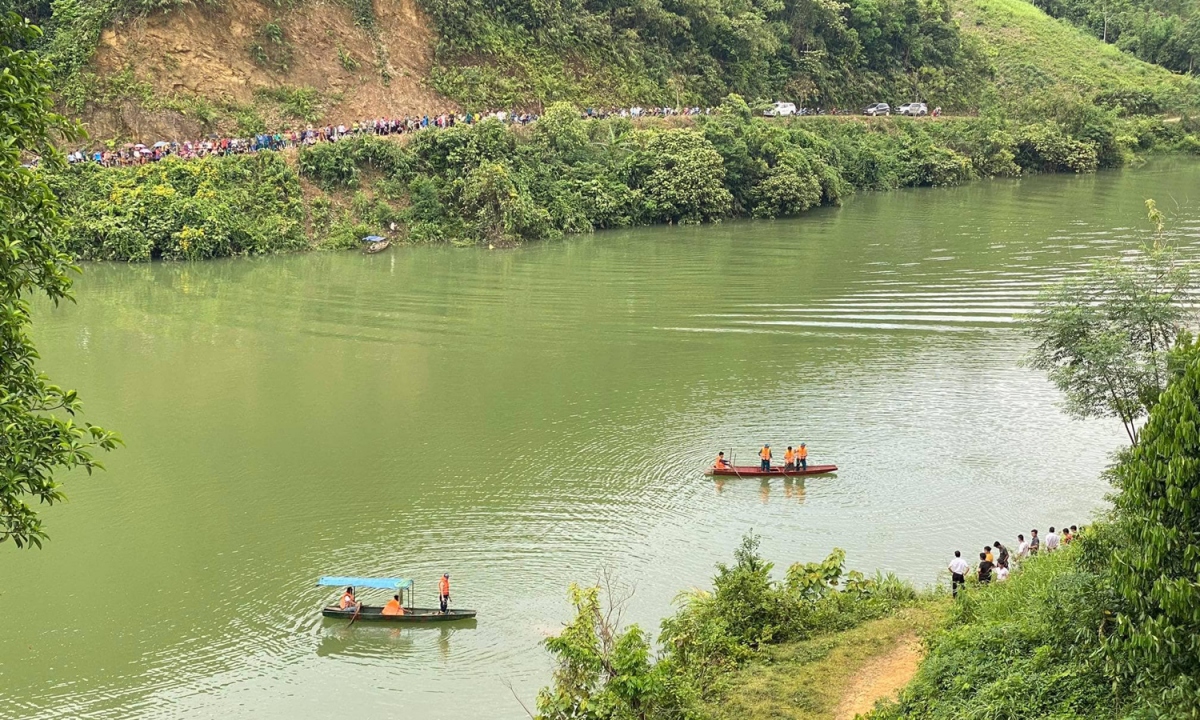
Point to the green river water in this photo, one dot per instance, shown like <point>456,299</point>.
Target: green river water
<point>527,418</point>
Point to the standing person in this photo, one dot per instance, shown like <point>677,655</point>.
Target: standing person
<point>1066,536</point>
<point>1051,540</point>
<point>765,455</point>
<point>444,591</point>
<point>987,553</point>
<point>958,573</point>
<point>1035,542</point>
<point>1022,548</point>
<point>789,459</point>
<point>985,569</point>
<point>1001,573</point>
<point>1001,556</point>
<point>802,456</point>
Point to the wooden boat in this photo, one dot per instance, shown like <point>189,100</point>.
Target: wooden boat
<point>374,613</point>
<point>775,471</point>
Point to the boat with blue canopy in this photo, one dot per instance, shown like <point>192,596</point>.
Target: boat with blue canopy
<point>375,613</point>
<point>375,243</point>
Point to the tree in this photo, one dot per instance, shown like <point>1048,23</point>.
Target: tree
<point>1104,339</point>
<point>1156,566</point>
<point>38,433</point>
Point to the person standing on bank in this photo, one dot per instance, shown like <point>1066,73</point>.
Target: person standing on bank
<point>985,569</point>
<point>444,591</point>
<point>958,573</point>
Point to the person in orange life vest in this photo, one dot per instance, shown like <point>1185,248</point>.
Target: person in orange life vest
<point>444,591</point>
<point>789,459</point>
<point>802,457</point>
<point>348,600</point>
<point>393,606</point>
<point>721,462</point>
<point>765,454</point>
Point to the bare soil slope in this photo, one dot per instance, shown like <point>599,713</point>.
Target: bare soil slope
<point>206,52</point>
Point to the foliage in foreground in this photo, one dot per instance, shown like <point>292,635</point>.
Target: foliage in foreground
<point>1106,627</point>
<point>608,671</point>
<point>1105,338</point>
<point>38,433</point>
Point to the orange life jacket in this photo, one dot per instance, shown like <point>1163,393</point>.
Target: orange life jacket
<point>789,456</point>
<point>347,601</point>
<point>765,453</point>
<point>720,462</point>
<point>444,586</point>
<point>393,607</point>
<point>802,453</point>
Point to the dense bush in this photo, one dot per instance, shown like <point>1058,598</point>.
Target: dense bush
<point>1028,648</point>
<point>840,52</point>
<point>490,183</point>
<point>607,671</point>
<point>176,209</point>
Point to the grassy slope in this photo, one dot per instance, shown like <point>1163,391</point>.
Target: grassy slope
<point>807,680</point>
<point>1033,52</point>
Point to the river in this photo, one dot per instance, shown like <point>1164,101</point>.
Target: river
<point>528,418</point>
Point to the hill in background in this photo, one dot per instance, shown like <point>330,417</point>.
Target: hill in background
<point>149,69</point>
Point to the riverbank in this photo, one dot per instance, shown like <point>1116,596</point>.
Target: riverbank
<point>495,185</point>
<point>835,677</point>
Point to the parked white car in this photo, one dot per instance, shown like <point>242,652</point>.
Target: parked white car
<point>913,109</point>
<point>780,109</point>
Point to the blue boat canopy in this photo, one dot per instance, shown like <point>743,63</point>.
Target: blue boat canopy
<point>363,582</point>
<point>373,239</point>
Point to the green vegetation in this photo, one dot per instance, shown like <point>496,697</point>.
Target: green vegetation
<point>270,48</point>
<point>1028,648</point>
<point>604,670</point>
<point>1164,32</point>
<point>488,183</point>
<point>1105,338</point>
<point>618,51</point>
<point>1039,61</point>
<point>181,210</point>
<point>38,433</point>
<point>1108,626</point>
<point>807,680</point>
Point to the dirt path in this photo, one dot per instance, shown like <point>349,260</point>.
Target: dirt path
<point>880,678</point>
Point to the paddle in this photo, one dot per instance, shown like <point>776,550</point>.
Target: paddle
<point>357,610</point>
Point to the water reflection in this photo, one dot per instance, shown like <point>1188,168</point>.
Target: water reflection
<point>525,418</point>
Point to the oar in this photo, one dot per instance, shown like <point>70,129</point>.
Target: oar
<point>357,610</point>
<point>733,464</point>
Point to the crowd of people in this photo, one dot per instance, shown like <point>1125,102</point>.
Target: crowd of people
<point>140,154</point>
<point>996,561</point>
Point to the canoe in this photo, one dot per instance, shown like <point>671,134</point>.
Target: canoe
<point>374,613</point>
<point>374,247</point>
<point>775,471</point>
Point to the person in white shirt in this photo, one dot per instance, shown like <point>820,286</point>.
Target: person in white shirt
<point>958,572</point>
<point>1051,541</point>
<point>1022,548</point>
<point>1001,573</point>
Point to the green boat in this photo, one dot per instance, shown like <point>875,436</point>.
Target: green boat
<point>374,613</point>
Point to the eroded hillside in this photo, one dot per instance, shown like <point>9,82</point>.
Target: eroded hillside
<point>198,69</point>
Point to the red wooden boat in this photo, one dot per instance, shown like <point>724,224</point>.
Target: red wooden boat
<point>775,471</point>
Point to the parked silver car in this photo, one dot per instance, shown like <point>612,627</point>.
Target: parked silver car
<point>912,109</point>
<point>878,109</point>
